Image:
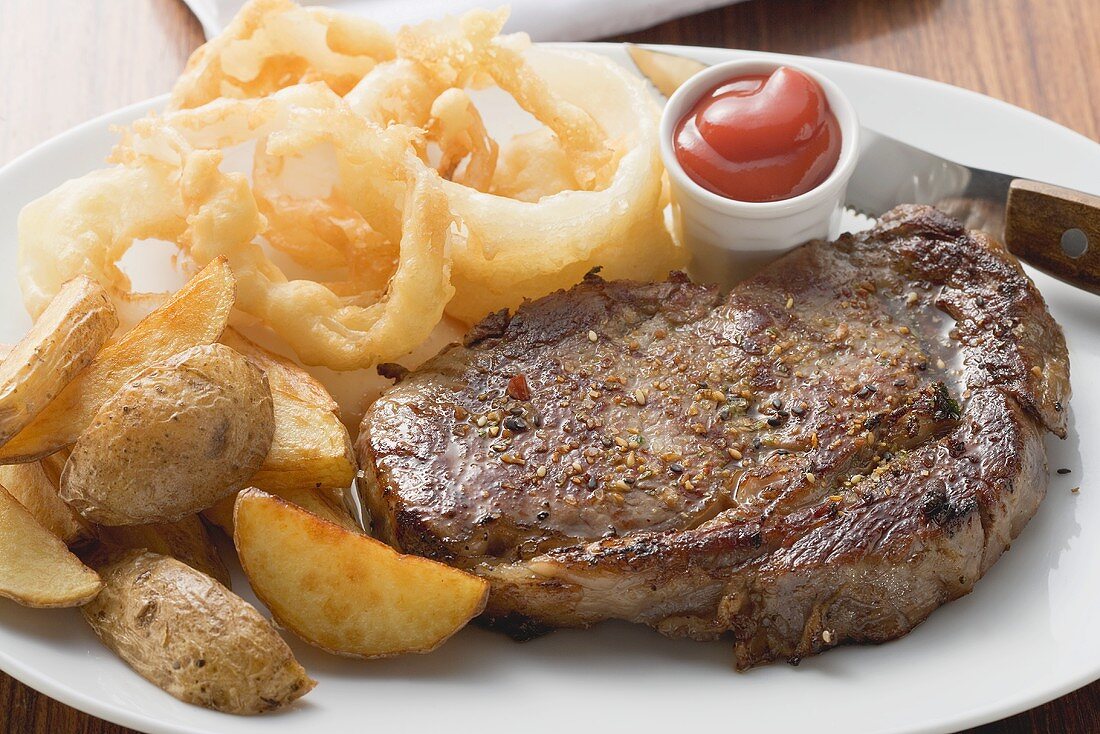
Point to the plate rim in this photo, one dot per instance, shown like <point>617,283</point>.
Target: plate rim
<point>118,714</point>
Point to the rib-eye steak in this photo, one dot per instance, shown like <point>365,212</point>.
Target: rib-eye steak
<point>826,454</point>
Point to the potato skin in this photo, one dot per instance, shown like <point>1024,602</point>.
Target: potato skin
<point>186,540</point>
<point>173,441</point>
<point>186,633</point>
<point>195,314</point>
<point>64,340</point>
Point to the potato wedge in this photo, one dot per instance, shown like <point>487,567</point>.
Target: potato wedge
<point>283,374</point>
<point>344,592</point>
<point>311,447</point>
<point>195,315</point>
<point>64,340</point>
<point>186,540</point>
<point>184,632</point>
<point>221,514</point>
<point>35,486</point>
<point>327,504</point>
<point>36,569</point>
<point>173,441</point>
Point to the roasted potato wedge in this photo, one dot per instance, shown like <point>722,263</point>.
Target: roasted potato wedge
<point>345,592</point>
<point>35,485</point>
<point>186,540</point>
<point>325,503</point>
<point>284,375</point>
<point>311,447</point>
<point>64,340</point>
<point>173,441</point>
<point>36,569</point>
<point>195,315</point>
<point>186,633</point>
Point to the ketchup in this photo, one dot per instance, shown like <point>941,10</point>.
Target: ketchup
<point>760,137</point>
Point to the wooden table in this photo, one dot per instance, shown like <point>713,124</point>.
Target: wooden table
<point>65,61</point>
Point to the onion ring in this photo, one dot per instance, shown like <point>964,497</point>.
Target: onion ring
<point>272,44</point>
<point>321,326</point>
<point>415,195</point>
<point>320,232</point>
<point>597,198</point>
<point>87,224</point>
<point>211,213</point>
<point>460,132</point>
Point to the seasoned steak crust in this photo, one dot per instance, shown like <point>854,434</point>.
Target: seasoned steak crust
<point>825,455</point>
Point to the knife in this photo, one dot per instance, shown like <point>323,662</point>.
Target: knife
<point>1052,228</point>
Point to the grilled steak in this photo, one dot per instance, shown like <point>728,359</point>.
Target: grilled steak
<point>824,455</point>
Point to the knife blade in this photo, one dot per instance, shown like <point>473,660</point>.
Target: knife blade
<point>1055,229</point>
<point>891,172</point>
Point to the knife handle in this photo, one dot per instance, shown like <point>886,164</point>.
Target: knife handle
<point>1055,229</point>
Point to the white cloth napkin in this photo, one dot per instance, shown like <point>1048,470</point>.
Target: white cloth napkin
<point>544,20</point>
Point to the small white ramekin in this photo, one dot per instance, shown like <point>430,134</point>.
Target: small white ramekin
<point>730,240</point>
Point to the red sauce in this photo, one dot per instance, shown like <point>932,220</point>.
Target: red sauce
<point>760,137</point>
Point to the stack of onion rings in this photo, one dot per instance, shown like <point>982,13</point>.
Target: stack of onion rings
<point>415,208</point>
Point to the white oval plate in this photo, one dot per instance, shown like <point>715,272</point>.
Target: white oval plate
<point>1027,633</point>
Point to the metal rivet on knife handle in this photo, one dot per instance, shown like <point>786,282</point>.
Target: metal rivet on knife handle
<point>1057,230</point>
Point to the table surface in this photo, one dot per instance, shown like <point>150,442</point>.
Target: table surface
<point>64,62</point>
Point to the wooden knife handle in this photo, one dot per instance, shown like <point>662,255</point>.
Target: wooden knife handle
<point>1057,230</point>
